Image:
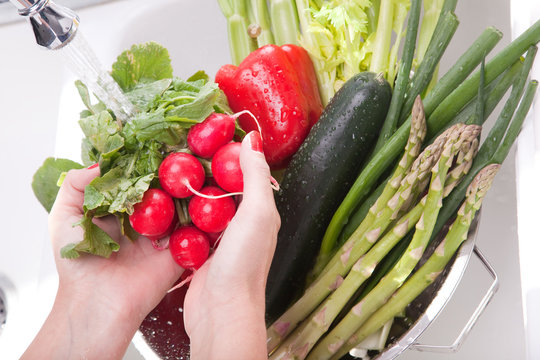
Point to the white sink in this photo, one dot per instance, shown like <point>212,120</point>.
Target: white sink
<point>39,108</point>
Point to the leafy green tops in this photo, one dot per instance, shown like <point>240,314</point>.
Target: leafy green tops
<point>129,154</point>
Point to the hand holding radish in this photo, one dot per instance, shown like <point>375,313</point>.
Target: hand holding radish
<point>100,301</point>
<point>224,306</point>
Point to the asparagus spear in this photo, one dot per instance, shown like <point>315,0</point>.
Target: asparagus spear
<point>306,336</point>
<point>434,265</point>
<point>362,211</point>
<point>457,172</point>
<point>334,271</point>
<point>492,144</point>
<point>502,151</point>
<point>412,149</point>
<point>361,311</point>
<point>464,160</point>
<point>302,340</point>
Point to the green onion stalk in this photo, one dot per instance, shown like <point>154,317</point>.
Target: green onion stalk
<point>443,103</point>
<point>402,82</point>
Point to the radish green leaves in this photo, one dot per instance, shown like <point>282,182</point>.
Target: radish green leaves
<point>129,154</point>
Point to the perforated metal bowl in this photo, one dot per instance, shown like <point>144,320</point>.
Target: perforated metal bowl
<point>427,306</point>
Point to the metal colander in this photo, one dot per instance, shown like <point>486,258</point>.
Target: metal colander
<point>427,306</point>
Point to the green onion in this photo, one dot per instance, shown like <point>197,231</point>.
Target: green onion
<point>402,82</point>
<point>453,102</point>
<point>489,148</point>
<point>515,126</point>
<point>424,73</point>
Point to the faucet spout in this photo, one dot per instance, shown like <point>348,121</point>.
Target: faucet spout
<point>54,25</point>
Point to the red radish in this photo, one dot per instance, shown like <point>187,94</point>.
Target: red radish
<point>178,172</point>
<point>211,215</point>
<point>189,247</point>
<point>161,242</point>
<point>205,138</point>
<point>154,214</point>
<point>226,168</point>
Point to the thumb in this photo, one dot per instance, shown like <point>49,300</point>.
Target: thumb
<point>70,198</point>
<point>255,171</point>
<point>249,241</point>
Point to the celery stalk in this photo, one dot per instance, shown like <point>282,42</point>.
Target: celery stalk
<point>381,48</point>
<point>261,17</point>
<point>284,21</point>
<point>432,11</point>
<point>401,9</point>
<point>240,44</point>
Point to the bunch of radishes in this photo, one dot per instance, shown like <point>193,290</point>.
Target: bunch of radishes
<point>181,176</point>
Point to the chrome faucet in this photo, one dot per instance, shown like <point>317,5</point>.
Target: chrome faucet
<point>54,25</point>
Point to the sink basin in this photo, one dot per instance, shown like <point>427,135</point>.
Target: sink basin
<point>194,31</point>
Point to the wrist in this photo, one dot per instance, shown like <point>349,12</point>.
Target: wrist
<point>83,326</point>
<point>235,327</point>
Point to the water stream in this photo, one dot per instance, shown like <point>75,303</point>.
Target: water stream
<point>84,63</point>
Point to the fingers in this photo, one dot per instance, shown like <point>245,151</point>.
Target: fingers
<point>256,171</point>
<point>248,244</point>
<point>258,203</point>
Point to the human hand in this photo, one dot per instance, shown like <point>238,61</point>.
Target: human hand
<point>225,303</point>
<point>100,302</point>
<point>131,281</point>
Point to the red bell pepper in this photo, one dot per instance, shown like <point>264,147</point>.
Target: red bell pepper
<point>278,85</point>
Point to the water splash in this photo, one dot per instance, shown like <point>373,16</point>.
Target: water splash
<point>84,63</point>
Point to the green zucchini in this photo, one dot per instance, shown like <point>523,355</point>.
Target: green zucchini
<point>318,178</point>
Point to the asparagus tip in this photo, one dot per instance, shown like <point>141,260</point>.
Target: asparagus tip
<point>483,180</point>
<point>418,121</point>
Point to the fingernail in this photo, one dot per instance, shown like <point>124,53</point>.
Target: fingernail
<point>93,166</point>
<point>255,141</point>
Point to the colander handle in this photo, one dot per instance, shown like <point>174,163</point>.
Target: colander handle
<point>474,317</point>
